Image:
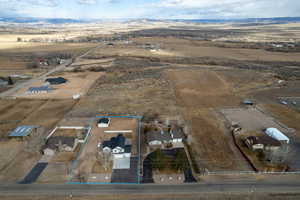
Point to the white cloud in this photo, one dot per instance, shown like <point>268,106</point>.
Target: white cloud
<point>230,8</point>
<point>89,2</point>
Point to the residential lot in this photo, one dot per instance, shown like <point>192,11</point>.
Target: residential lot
<point>253,119</point>
<point>78,83</point>
<point>93,165</point>
<point>26,153</point>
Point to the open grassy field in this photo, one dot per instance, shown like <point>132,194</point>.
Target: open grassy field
<point>193,48</point>
<point>45,113</point>
<point>198,92</point>
<point>286,115</point>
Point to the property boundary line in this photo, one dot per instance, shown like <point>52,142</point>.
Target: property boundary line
<point>74,164</point>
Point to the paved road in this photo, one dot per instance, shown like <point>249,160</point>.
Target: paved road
<point>13,90</point>
<point>65,189</point>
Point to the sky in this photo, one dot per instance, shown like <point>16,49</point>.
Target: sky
<point>154,9</point>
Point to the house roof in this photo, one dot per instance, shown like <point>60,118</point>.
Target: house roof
<point>56,81</point>
<point>114,142</point>
<point>264,139</point>
<point>127,148</point>
<point>103,121</point>
<point>176,133</point>
<point>158,136</point>
<point>53,142</point>
<point>22,131</point>
<point>42,88</point>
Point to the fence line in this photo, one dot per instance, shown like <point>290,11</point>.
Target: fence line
<point>249,172</point>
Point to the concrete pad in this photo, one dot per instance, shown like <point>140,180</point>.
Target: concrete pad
<point>121,163</point>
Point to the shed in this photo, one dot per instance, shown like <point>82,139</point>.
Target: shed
<point>103,122</point>
<point>38,90</point>
<point>276,134</point>
<point>22,131</point>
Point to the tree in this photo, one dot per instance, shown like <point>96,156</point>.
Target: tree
<point>19,39</point>
<point>181,162</point>
<point>10,81</point>
<point>159,160</point>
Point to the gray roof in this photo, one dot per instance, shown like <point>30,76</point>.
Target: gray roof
<point>127,148</point>
<point>42,88</point>
<point>53,142</point>
<point>56,81</point>
<point>114,142</point>
<point>22,131</point>
<point>264,139</point>
<point>177,133</point>
<point>158,136</point>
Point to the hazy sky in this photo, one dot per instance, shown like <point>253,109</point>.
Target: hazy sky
<point>158,9</point>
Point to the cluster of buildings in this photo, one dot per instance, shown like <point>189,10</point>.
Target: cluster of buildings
<point>160,137</point>
<point>45,88</point>
<point>271,140</point>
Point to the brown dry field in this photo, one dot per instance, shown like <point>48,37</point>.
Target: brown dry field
<point>52,47</point>
<point>129,50</point>
<point>78,83</point>
<point>192,48</point>
<point>286,115</point>
<point>45,113</point>
<point>198,93</point>
<point>136,97</point>
<point>10,59</point>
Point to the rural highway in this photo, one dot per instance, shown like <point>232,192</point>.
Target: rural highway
<point>19,86</point>
<point>67,189</point>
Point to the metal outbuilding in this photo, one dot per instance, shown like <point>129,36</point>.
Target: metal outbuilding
<point>276,134</point>
<point>42,89</point>
<point>22,131</point>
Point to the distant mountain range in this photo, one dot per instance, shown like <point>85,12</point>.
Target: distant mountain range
<point>40,20</point>
<point>64,20</point>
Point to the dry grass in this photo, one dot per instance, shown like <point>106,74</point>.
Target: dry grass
<point>197,92</point>
<point>78,83</point>
<point>63,157</point>
<point>289,117</point>
<point>192,48</point>
<point>32,112</point>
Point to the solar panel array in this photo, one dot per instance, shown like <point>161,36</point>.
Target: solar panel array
<point>22,131</point>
